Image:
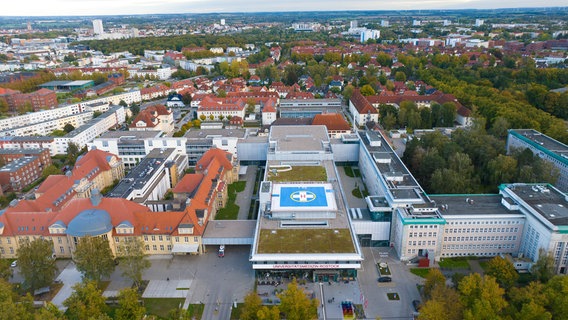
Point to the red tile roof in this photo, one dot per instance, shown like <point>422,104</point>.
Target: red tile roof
<point>361,103</point>
<point>333,121</point>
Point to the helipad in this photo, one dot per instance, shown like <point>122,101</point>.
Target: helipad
<point>304,197</point>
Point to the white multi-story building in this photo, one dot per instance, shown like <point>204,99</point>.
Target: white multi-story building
<point>45,128</point>
<point>545,147</point>
<point>84,134</point>
<point>98,27</point>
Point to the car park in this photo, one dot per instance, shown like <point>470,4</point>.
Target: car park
<point>385,279</point>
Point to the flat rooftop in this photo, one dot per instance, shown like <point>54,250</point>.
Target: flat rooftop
<point>550,203</point>
<point>538,139</point>
<point>17,164</point>
<point>214,133</point>
<point>301,197</point>
<point>130,134</point>
<point>141,174</point>
<point>230,229</point>
<point>470,204</point>
<point>298,138</point>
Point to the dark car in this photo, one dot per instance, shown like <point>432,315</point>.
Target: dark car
<point>385,279</point>
<point>416,304</point>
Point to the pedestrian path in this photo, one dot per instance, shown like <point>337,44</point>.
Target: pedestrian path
<point>69,277</point>
<point>167,289</point>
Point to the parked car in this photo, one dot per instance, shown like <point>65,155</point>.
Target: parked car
<point>14,264</point>
<point>221,251</point>
<point>416,304</point>
<point>385,279</point>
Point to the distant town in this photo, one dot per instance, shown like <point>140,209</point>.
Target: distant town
<point>233,166</point>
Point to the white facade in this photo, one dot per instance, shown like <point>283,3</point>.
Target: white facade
<point>268,118</point>
<point>98,27</point>
<point>47,127</point>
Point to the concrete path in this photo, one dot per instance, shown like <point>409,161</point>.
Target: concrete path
<point>244,198</point>
<point>69,277</point>
<point>167,289</point>
<point>475,267</point>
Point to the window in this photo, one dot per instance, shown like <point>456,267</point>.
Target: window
<point>154,247</point>
<point>161,247</point>
<point>117,239</point>
<point>195,239</point>
<point>160,238</point>
<point>145,238</point>
<point>177,239</point>
<point>153,238</point>
<point>169,247</point>
<point>186,239</point>
<point>61,250</point>
<point>147,247</point>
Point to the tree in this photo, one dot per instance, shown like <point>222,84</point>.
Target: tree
<point>400,76</point>
<point>50,170</point>
<point>135,109</point>
<point>348,91</point>
<point>202,117</point>
<point>123,103</point>
<point>12,306</point>
<point>129,307</point>
<point>367,90</point>
<point>186,98</point>
<point>86,302</point>
<point>251,306</point>
<point>93,258</point>
<point>296,305</point>
<point>73,152</point>
<point>5,269</point>
<point>444,304</point>
<point>543,268</point>
<point>221,93</point>
<point>503,271</point>
<point>68,127</point>
<point>37,266</point>
<point>482,297</point>
<point>434,279</point>
<point>251,105</point>
<point>133,261</point>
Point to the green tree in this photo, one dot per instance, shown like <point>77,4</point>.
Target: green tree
<point>348,91</point>
<point>482,297</point>
<point>367,90</point>
<point>123,103</point>
<point>186,98</point>
<point>133,260</point>
<point>12,305</point>
<point>36,263</point>
<point>135,109</point>
<point>543,268</point>
<point>400,76</point>
<point>202,117</point>
<point>49,312</point>
<point>503,271</point>
<point>251,306</point>
<point>73,152</point>
<point>296,305</point>
<point>556,293</point>
<point>86,302</point>
<point>129,307</point>
<point>221,93</point>
<point>68,127</point>
<point>444,304</point>
<point>434,279</point>
<point>5,269</point>
<point>94,258</point>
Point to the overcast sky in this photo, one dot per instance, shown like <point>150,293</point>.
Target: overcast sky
<point>115,7</point>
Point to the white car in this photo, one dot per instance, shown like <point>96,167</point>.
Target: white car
<point>14,264</point>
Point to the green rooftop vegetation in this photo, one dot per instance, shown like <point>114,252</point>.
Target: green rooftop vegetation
<point>298,173</point>
<point>306,241</point>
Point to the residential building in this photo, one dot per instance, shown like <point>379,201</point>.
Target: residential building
<point>221,108</point>
<point>9,155</point>
<point>20,173</point>
<point>335,124</point>
<point>362,110</point>
<point>156,117</point>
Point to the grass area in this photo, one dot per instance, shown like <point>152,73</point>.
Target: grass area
<point>349,172</point>
<point>161,306</point>
<point>421,272</point>
<point>53,290</point>
<point>236,312</point>
<point>357,173</point>
<point>306,241</point>
<point>195,311</point>
<point>484,265</point>
<point>455,263</point>
<point>393,296</point>
<point>231,210</point>
<point>384,271</point>
<point>299,173</point>
<point>103,285</point>
<point>357,193</point>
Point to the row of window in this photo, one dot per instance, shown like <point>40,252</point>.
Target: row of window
<point>475,230</point>
<point>422,243</point>
<point>161,238</point>
<point>478,246</point>
<point>420,234</point>
<point>484,222</point>
<point>430,226</point>
<point>482,238</point>
<point>489,254</point>
<point>155,247</point>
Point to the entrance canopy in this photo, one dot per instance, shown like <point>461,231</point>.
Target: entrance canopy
<point>185,248</point>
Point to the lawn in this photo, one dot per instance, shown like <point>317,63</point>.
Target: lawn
<point>231,210</point>
<point>349,172</point>
<point>299,173</point>
<point>161,306</point>
<point>421,272</point>
<point>306,241</point>
<point>393,296</point>
<point>455,263</point>
<point>195,311</point>
<point>384,271</point>
<point>357,193</point>
<point>236,312</point>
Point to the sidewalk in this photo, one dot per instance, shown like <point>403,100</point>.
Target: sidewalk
<point>69,277</point>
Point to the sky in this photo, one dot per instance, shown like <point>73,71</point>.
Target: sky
<point>117,7</point>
